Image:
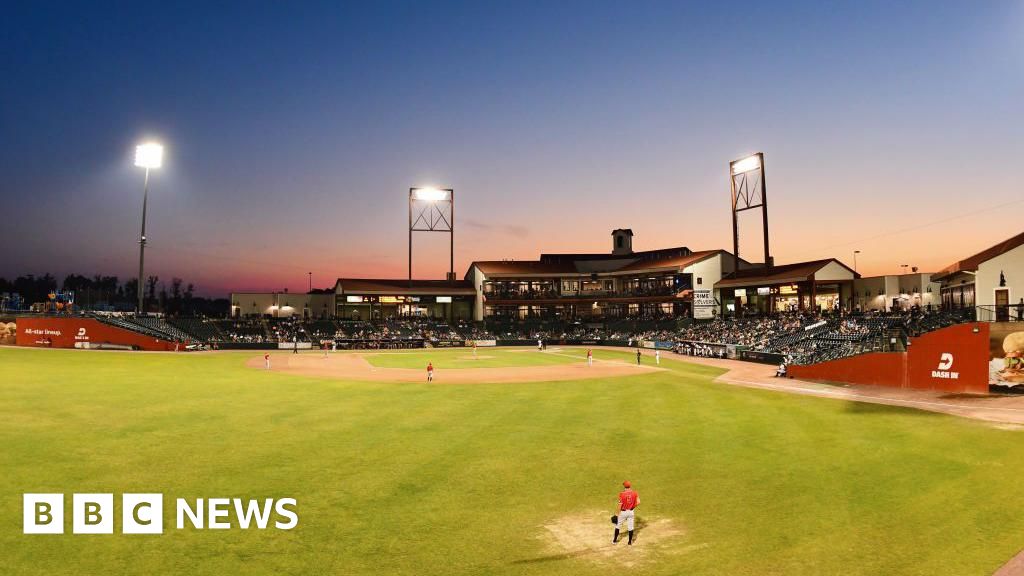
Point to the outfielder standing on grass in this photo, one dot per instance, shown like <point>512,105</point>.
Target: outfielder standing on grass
<point>430,371</point>
<point>638,355</point>
<point>628,501</point>
<point>266,360</point>
<point>590,357</point>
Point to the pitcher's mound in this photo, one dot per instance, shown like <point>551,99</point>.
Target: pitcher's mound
<point>588,536</point>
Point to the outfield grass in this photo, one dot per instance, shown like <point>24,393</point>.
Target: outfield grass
<point>459,479</point>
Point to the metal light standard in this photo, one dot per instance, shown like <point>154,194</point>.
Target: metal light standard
<point>147,156</point>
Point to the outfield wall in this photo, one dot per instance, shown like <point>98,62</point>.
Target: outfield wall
<point>953,359</point>
<point>71,332</point>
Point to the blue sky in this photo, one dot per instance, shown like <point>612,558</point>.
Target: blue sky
<point>293,131</point>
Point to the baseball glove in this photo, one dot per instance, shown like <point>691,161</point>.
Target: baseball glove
<point>615,519</point>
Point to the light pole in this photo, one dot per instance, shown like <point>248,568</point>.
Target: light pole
<point>149,155</point>
<point>433,210</point>
<point>746,180</point>
<point>855,252</point>
<point>310,281</point>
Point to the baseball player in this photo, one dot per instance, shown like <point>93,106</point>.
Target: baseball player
<point>474,349</point>
<point>637,355</point>
<point>590,357</point>
<point>628,501</point>
<point>266,361</point>
<point>657,357</point>
<point>430,371</point>
<point>540,345</point>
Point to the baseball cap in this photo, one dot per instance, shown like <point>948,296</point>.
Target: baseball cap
<point>625,484</point>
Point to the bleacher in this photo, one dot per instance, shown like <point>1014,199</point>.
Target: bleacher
<point>198,329</point>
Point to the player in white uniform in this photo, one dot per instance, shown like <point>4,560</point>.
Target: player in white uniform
<point>266,361</point>
<point>590,357</point>
<point>657,357</point>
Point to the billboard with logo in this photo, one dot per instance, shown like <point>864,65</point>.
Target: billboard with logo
<point>89,333</point>
<point>1006,354</point>
<point>953,359</point>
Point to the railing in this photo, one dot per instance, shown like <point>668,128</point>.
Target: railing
<point>1003,313</point>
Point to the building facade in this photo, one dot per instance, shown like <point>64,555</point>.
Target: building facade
<point>991,281</point>
<point>622,284</point>
<point>896,292</point>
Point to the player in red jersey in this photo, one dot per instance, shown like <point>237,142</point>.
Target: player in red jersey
<point>430,371</point>
<point>628,501</point>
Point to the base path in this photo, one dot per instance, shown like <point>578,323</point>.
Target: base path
<point>1007,411</point>
<point>353,366</point>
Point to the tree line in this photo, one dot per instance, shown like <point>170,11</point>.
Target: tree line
<point>109,293</point>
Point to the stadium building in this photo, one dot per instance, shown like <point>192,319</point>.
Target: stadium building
<point>896,292</point>
<point>991,280</point>
<point>665,283</point>
<point>591,287</point>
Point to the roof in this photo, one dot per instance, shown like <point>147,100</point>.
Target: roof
<point>971,264</point>
<point>524,267</point>
<point>784,274</point>
<point>404,287</point>
<point>666,258</point>
<point>670,261</point>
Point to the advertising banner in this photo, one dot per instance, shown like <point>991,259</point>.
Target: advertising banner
<point>1006,354</point>
<point>294,345</point>
<point>75,332</point>
<point>703,304</point>
<point>953,359</point>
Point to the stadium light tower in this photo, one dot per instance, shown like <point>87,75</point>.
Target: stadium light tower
<point>148,155</point>
<point>746,178</point>
<point>855,252</point>
<point>432,210</point>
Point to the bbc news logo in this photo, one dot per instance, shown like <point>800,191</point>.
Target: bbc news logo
<point>144,513</point>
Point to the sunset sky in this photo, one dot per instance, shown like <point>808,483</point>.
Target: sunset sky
<point>294,130</point>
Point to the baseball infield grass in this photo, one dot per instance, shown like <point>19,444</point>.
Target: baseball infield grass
<point>462,479</point>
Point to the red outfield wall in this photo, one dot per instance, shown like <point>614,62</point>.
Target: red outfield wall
<point>953,359</point>
<point>72,332</point>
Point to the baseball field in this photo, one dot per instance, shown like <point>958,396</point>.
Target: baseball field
<point>396,476</point>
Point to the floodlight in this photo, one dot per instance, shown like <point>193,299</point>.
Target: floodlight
<point>149,155</point>
<point>429,194</point>
<point>747,164</point>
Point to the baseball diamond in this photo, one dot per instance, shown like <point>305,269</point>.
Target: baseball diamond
<point>734,480</point>
<point>493,288</point>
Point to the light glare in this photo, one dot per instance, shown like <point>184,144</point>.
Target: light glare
<point>429,194</point>
<point>746,164</point>
<point>149,155</point>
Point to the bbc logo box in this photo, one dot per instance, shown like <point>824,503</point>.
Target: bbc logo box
<point>93,513</point>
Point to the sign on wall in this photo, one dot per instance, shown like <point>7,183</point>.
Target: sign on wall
<point>703,304</point>
<point>1006,350</point>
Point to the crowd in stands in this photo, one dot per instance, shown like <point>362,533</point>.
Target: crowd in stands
<point>796,337</point>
